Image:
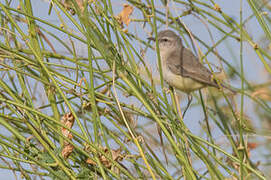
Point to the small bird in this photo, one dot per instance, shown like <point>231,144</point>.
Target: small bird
<point>181,68</point>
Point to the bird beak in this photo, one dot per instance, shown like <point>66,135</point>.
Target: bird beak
<point>151,38</point>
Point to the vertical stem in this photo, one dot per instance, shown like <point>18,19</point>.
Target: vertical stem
<point>242,144</point>
<point>35,43</point>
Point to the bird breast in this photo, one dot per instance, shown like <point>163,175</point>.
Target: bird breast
<point>179,82</point>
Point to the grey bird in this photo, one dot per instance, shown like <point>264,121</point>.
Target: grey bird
<point>181,68</point>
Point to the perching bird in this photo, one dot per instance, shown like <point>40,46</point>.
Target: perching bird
<point>181,68</point>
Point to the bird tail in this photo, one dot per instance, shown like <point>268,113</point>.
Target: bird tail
<point>230,89</point>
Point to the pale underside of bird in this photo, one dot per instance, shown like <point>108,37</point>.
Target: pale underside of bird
<point>181,68</point>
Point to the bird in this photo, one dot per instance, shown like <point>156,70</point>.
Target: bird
<point>181,68</point>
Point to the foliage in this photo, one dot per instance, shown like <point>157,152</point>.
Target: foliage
<point>79,98</point>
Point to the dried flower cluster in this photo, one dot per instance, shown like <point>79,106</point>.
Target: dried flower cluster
<point>68,121</point>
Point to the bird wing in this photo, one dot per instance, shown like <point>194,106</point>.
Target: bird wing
<point>187,65</point>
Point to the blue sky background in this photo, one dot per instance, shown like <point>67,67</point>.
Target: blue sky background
<point>254,70</point>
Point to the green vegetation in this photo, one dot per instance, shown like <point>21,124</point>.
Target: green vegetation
<point>79,99</point>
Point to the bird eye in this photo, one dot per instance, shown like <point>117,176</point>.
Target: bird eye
<point>164,40</point>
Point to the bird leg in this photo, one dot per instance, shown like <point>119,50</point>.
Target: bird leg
<point>189,98</point>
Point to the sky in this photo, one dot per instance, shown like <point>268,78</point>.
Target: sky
<point>230,7</point>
